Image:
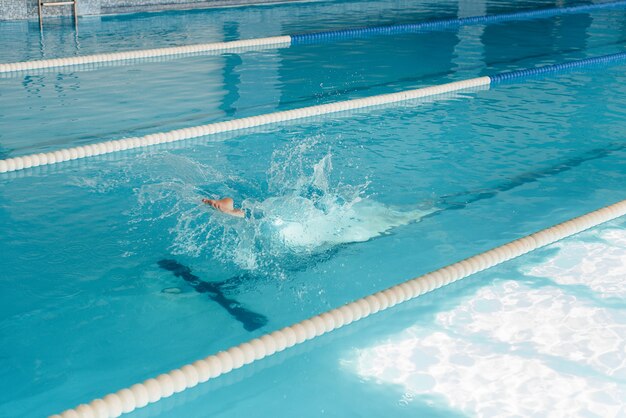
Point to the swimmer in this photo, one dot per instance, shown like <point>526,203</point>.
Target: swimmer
<point>226,206</point>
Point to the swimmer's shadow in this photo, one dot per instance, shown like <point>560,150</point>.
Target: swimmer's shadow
<point>250,320</point>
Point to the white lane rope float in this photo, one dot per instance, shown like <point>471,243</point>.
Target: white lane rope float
<point>188,50</point>
<point>286,41</point>
<point>83,151</point>
<point>190,375</point>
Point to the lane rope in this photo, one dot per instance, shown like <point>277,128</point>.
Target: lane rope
<point>286,41</point>
<point>189,50</point>
<point>83,151</point>
<point>516,75</point>
<point>190,375</point>
<point>109,147</point>
<point>310,38</point>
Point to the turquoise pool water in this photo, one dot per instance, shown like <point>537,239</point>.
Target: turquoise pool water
<point>342,207</point>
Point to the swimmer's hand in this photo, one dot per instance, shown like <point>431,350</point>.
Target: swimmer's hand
<point>225,205</point>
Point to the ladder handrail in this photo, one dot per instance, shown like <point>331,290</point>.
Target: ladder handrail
<point>43,3</point>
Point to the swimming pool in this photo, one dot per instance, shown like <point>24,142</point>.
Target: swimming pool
<point>90,304</point>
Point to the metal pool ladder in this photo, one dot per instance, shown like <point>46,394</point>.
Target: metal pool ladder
<point>44,3</point>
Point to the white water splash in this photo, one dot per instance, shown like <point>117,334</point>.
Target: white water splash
<point>306,212</point>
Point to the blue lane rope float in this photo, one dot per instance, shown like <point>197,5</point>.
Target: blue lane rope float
<point>512,76</point>
<point>311,38</point>
<point>78,152</point>
<point>190,375</point>
<point>298,39</point>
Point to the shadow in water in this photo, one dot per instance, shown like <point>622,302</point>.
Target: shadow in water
<point>250,320</point>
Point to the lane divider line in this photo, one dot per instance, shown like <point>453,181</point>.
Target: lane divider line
<point>83,151</point>
<point>216,47</point>
<point>232,135</point>
<point>286,41</point>
<point>190,375</point>
<point>55,157</point>
<point>311,38</point>
<point>516,75</point>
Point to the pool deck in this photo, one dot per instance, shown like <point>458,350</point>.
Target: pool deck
<point>27,9</point>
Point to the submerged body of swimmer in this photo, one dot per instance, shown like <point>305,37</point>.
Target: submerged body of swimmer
<point>225,205</point>
<point>300,225</point>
